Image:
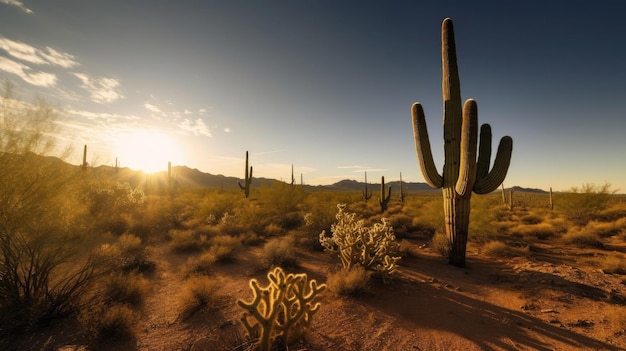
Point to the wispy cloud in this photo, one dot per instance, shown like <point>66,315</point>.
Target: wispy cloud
<point>197,127</point>
<point>17,4</point>
<point>152,108</point>
<point>102,90</point>
<point>34,55</point>
<point>352,167</point>
<point>42,79</point>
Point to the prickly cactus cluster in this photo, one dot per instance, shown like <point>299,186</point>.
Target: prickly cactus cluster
<point>283,309</point>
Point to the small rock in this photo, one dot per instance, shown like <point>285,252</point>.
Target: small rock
<point>548,310</point>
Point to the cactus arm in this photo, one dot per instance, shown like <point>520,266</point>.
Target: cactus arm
<point>500,167</point>
<point>422,148</point>
<point>484,151</point>
<point>469,132</point>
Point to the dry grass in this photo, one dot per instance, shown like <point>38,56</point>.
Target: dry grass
<point>279,252</point>
<point>613,265</point>
<point>500,249</point>
<point>441,244</point>
<point>197,293</point>
<point>116,322</point>
<point>130,288</point>
<point>349,282</point>
<point>541,231</point>
<point>616,316</point>
<point>129,243</point>
<point>582,237</point>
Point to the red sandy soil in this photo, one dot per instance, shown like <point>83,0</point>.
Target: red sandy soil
<point>546,301</point>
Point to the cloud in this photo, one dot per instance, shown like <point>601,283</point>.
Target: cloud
<point>351,167</point>
<point>33,55</point>
<point>17,4</point>
<point>197,127</point>
<point>102,90</point>
<point>226,130</point>
<point>42,79</point>
<point>152,108</point>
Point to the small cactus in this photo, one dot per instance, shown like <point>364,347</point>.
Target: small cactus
<point>283,309</point>
<point>247,180</point>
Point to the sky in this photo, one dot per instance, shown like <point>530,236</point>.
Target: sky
<point>323,85</point>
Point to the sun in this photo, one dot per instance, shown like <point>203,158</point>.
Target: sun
<point>148,151</point>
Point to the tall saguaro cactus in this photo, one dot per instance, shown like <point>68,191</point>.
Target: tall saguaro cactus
<point>247,180</point>
<point>383,200</point>
<point>366,194</point>
<point>463,172</point>
<point>84,164</point>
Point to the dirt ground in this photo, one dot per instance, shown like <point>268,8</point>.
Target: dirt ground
<point>546,301</point>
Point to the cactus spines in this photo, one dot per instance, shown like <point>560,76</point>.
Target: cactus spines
<point>247,180</point>
<point>366,194</point>
<point>383,200</point>
<point>286,306</point>
<point>462,171</point>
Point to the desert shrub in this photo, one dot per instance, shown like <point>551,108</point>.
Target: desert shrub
<point>283,310</point>
<point>582,237</point>
<point>441,244</point>
<point>375,248</point>
<point>613,265</point>
<point>581,205</point>
<point>273,229</point>
<point>187,240</point>
<point>279,252</point>
<point>130,288</point>
<point>37,282</point>
<point>201,264</point>
<point>541,230</point>
<point>531,219</point>
<point>606,229</point>
<point>129,243</point>
<point>106,322</point>
<point>402,224</point>
<point>353,281</point>
<point>197,293</point>
<point>500,249</point>
<point>406,249</point>
<point>224,246</point>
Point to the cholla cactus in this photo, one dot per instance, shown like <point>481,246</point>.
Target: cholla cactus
<point>282,309</point>
<point>374,248</point>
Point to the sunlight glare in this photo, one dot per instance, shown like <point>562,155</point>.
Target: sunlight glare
<point>148,151</point>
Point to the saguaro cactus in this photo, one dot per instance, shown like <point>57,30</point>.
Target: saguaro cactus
<point>366,194</point>
<point>84,164</point>
<point>247,180</point>
<point>401,189</point>
<point>462,171</point>
<point>383,200</point>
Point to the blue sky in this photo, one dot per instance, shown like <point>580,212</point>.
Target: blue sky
<point>324,85</point>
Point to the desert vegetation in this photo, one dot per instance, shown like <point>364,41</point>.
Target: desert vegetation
<point>94,259</point>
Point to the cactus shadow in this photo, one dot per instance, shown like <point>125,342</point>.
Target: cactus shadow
<point>488,326</point>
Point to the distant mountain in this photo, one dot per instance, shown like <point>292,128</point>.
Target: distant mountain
<point>192,177</point>
<point>527,190</point>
